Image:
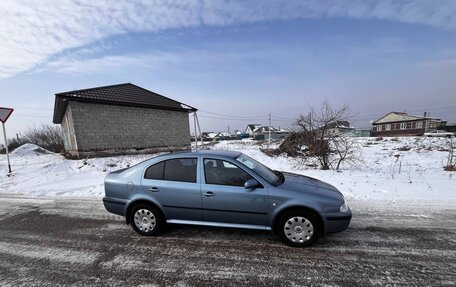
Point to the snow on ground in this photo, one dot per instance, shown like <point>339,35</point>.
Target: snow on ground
<point>388,175</point>
<point>37,172</point>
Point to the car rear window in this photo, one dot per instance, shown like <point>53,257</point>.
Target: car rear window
<point>155,171</point>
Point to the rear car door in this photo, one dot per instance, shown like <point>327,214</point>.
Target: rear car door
<point>174,184</point>
<point>224,197</point>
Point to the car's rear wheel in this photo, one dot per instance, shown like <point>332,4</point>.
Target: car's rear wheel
<point>299,228</point>
<point>146,220</point>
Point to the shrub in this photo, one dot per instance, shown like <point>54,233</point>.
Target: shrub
<point>13,144</point>
<point>49,137</point>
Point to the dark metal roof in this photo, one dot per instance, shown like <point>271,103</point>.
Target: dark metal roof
<point>122,95</point>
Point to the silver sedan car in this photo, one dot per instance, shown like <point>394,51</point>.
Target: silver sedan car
<point>224,189</point>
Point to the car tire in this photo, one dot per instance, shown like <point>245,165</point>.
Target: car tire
<point>299,228</point>
<point>147,220</point>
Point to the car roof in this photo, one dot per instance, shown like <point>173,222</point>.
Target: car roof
<point>224,153</point>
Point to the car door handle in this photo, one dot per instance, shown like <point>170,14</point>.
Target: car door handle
<point>154,189</point>
<point>209,194</point>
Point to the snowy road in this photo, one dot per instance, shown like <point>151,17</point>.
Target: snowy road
<point>75,242</point>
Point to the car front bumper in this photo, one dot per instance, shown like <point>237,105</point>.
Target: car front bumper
<point>336,222</point>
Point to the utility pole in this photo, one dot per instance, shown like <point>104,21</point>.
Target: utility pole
<point>194,126</point>
<point>199,129</point>
<point>269,140</point>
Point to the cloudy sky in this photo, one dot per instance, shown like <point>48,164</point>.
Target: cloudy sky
<point>236,61</point>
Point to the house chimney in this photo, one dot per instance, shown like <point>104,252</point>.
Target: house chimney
<point>425,114</point>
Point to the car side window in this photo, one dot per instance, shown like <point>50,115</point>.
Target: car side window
<point>179,169</point>
<point>222,172</point>
<point>155,171</point>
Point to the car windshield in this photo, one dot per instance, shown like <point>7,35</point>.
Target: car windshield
<point>273,177</point>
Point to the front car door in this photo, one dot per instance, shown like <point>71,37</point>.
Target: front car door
<point>224,198</point>
<point>174,184</point>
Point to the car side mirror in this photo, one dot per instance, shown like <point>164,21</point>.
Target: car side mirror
<point>251,184</point>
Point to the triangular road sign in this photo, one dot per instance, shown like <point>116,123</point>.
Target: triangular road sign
<point>5,113</point>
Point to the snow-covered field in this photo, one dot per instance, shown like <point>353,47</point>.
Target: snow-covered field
<point>388,175</point>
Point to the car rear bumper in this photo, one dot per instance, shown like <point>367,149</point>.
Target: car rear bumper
<point>336,222</point>
<point>115,205</point>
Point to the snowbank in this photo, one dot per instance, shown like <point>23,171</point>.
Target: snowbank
<point>28,150</point>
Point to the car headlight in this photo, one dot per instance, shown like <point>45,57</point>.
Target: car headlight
<point>344,207</point>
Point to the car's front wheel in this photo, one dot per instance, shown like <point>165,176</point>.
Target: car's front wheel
<point>299,228</point>
<point>146,220</point>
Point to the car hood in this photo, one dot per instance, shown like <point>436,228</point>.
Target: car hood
<point>307,184</point>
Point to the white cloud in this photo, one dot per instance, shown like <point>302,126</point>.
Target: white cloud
<point>153,60</point>
<point>32,31</point>
<point>111,64</point>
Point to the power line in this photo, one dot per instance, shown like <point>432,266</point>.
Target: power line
<point>233,116</point>
<point>226,118</point>
<point>280,118</point>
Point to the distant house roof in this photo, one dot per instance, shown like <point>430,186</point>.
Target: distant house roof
<point>400,117</point>
<point>253,127</point>
<point>266,129</point>
<point>122,95</point>
<point>338,124</point>
<point>223,134</point>
<point>209,135</point>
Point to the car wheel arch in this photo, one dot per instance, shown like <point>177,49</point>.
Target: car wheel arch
<point>141,201</point>
<point>297,208</point>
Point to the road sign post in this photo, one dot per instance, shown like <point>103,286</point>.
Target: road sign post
<point>6,148</point>
<point>5,113</point>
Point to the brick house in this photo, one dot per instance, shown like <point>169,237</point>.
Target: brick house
<point>402,124</point>
<point>121,119</point>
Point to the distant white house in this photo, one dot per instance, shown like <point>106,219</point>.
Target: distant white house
<point>238,133</point>
<point>209,136</point>
<point>251,128</point>
<point>340,127</point>
<point>263,132</point>
<point>224,136</point>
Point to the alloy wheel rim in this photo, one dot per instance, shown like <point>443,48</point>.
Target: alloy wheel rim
<point>298,229</point>
<point>145,220</point>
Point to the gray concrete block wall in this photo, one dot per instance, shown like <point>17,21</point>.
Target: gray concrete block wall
<point>101,127</point>
<point>68,135</point>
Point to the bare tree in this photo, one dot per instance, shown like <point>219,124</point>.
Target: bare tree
<point>347,149</point>
<point>320,124</point>
<point>49,137</point>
